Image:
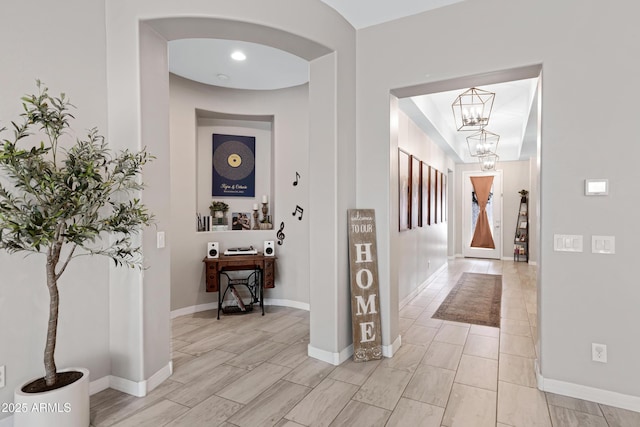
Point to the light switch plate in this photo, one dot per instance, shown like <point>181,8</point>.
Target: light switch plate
<point>160,239</point>
<point>603,244</point>
<point>567,243</point>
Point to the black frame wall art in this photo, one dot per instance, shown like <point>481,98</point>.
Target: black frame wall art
<point>439,196</point>
<point>424,188</point>
<point>444,197</point>
<point>234,166</point>
<point>404,190</point>
<point>416,203</point>
<point>433,200</point>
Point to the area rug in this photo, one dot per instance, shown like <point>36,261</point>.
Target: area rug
<point>475,299</point>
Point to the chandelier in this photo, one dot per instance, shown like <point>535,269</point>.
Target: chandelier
<point>471,112</point>
<point>472,108</point>
<point>482,143</point>
<point>488,162</point>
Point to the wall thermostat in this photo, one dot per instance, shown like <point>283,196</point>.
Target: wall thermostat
<point>596,187</point>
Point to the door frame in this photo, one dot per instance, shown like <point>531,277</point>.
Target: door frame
<point>496,226</point>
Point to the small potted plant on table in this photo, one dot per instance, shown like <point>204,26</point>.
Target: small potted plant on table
<point>219,213</point>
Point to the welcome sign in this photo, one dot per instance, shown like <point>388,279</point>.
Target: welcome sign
<point>363,265</point>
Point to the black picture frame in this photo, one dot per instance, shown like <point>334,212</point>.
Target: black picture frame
<point>416,202</point>
<point>404,190</point>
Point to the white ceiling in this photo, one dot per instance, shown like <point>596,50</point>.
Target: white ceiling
<point>209,61</point>
<point>509,118</point>
<point>365,13</point>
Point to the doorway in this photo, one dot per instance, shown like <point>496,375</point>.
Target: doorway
<point>482,214</point>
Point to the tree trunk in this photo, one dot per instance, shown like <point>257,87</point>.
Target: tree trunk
<point>52,329</point>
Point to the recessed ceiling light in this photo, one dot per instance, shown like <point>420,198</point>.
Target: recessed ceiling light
<point>238,56</point>
<point>222,76</point>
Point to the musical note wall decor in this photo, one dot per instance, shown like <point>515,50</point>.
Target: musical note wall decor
<point>298,210</point>
<point>280,234</point>
<point>297,179</point>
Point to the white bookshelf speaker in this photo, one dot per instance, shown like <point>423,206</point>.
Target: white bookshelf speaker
<point>269,248</point>
<point>213,250</point>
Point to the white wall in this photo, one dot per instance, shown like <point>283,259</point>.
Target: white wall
<point>421,250</point>
<point>156,329</point>
<point>584,297</point>
<point>191,183</point>
<point>30,52</point>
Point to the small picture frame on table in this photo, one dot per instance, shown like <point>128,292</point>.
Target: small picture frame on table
<point>241,221</point>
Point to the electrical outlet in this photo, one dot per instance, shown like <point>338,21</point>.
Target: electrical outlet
<point>599,352</point>
<point>2,381</point>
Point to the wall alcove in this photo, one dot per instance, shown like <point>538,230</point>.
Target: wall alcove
<point>258,127</point>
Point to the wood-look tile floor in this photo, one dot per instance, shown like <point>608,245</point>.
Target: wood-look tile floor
<point>249,370</point>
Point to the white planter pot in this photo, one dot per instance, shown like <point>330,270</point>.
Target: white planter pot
<point>63,407</point>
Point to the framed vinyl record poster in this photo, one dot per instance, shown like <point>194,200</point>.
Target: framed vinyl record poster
<point>234,166</point>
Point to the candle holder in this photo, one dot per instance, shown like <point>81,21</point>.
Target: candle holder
<point>256,226</point>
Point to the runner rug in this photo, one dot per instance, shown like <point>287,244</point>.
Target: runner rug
<point>475,299</point>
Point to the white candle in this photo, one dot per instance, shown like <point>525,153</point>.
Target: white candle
<point>264,199</point>
<point>255,206</point>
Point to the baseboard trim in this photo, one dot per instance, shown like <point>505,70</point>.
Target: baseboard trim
<point>98,385</point>
<point>214,305</point>
<point>419,289</point>
<point>159,377</point>
<point>287,303</point>
<point>141,388</point>
<point>137,389</point>
<point>328,356</point>
<point>390,350</point>
<point>7,422</point>
<point>578,391</point>
<point>337,358</point>
<point>193,309</point>
<point>508,258</point>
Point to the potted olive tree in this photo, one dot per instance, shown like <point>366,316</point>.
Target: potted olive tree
<point>62,198</point>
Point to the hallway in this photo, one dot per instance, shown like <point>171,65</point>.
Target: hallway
<point>253,371</point>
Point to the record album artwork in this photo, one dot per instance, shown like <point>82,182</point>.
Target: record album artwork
<point>234,166</point>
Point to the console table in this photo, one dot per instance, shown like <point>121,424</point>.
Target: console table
<point>264,265</point>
